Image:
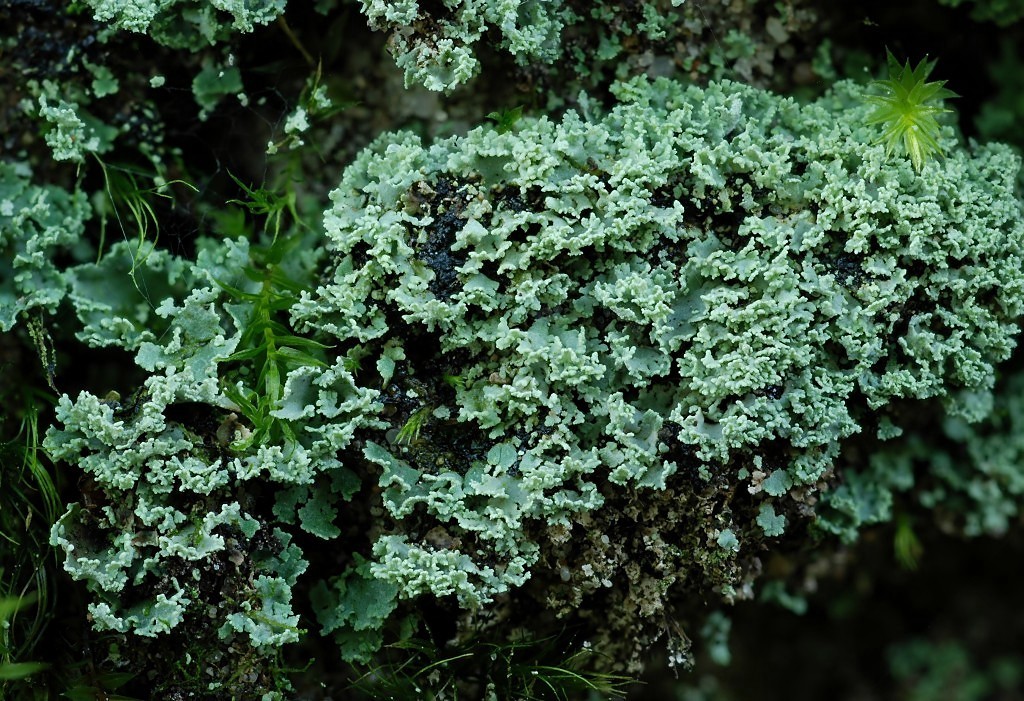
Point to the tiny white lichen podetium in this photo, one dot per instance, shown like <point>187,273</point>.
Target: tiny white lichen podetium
<point>907,107</point>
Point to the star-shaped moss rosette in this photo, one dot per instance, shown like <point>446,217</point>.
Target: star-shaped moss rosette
<point>907,107</point>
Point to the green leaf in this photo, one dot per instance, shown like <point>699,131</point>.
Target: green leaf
<point>20,670</point>
<point>12,604</point>
<point>410,431</point>
<point>505,120</point>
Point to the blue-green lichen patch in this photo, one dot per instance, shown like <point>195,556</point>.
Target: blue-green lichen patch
<point>751,274</point>
<point>600,364</point>
<point>187,25</point>
<point>440,45</point>
<point>161,470</point>
<point>179,507</point>
<point>37,223</point>
<point>434,44</point>
<point>968,475</point>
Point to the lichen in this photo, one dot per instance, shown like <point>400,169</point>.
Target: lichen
<point>187,25</point>
<point>611,366</point>
<point>710,287</point>
<point>37,223</point>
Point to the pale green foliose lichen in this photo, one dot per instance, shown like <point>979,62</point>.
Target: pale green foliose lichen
<point>437,51</point>
<point>187,24</point>
<point>696,295</point>
<point>62,110</point>
<point>37,222</point>
<point>562,43</point>
<point>68,137</point>
<point>213,83</point>
<point>354,608</point>
<point>167,519</point>
<point>435,45</point>
<point>114,310</point>
<point>719,282</point>
<point>171,460</point>
<point>970,475</point>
